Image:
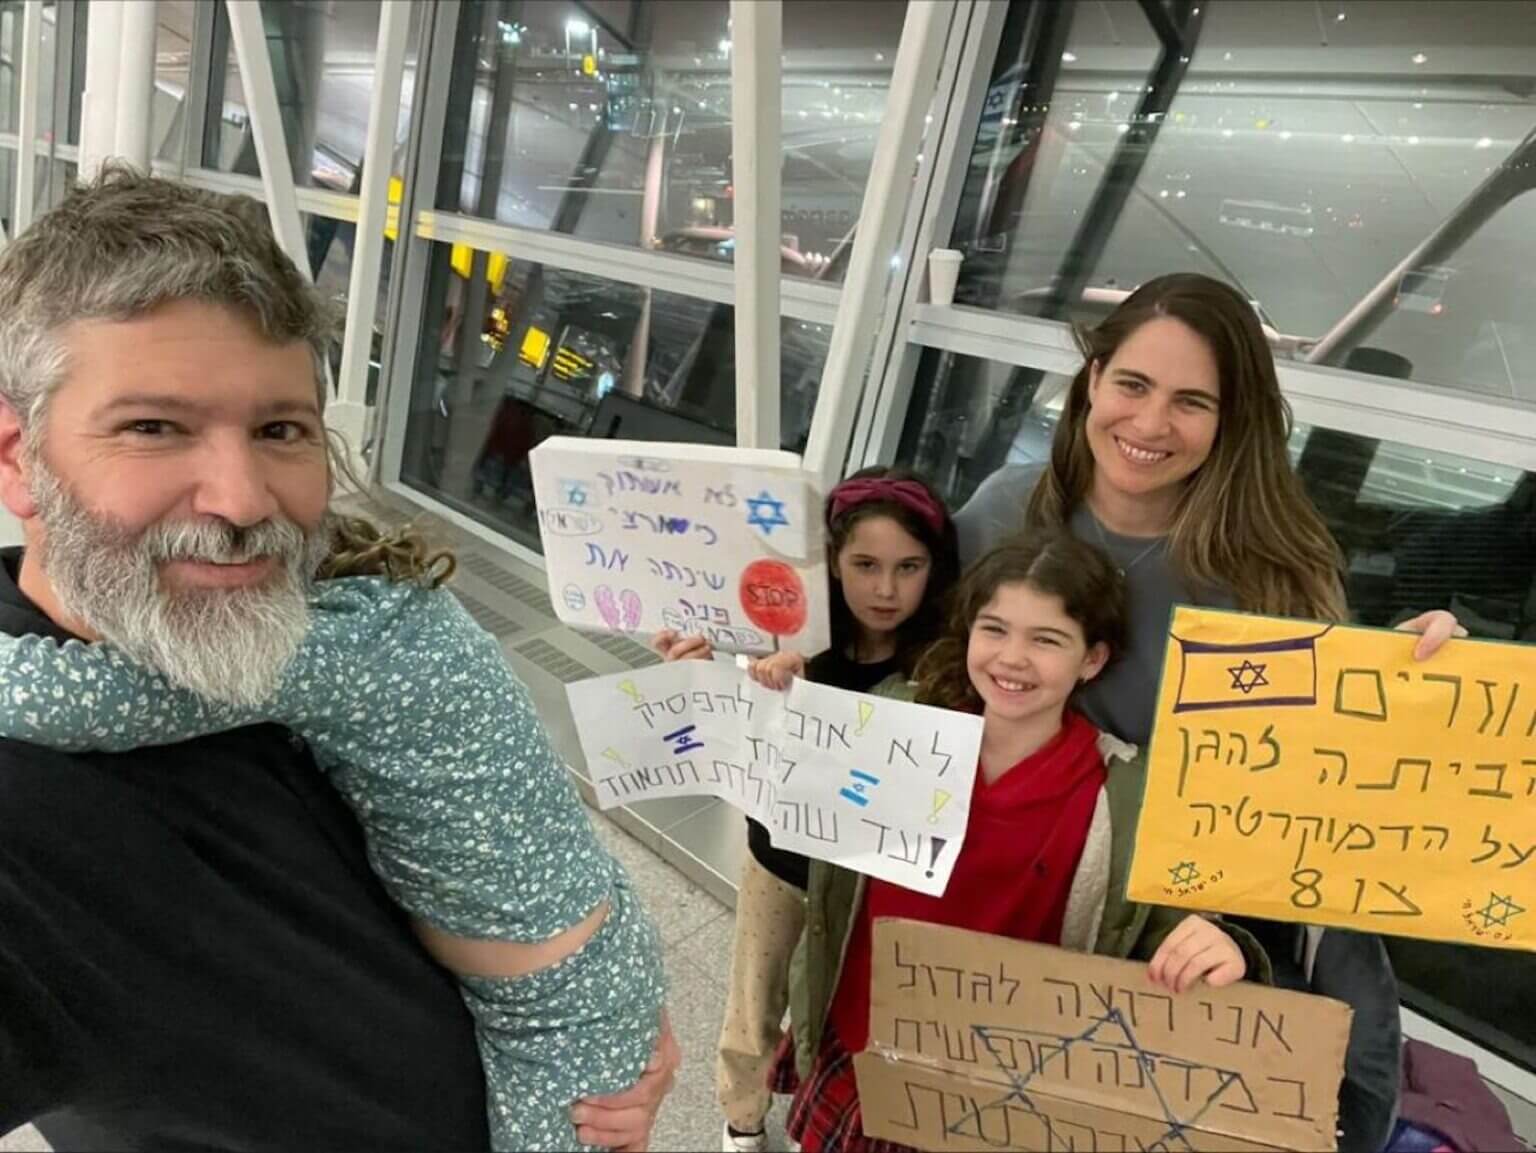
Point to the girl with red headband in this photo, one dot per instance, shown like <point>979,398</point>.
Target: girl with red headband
<point>892,553</point>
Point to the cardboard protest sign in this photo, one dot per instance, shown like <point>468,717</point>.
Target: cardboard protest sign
<point>874,784</point>
<point>1306,773</point>
<point>724,543</point>
<point>984,1042</point>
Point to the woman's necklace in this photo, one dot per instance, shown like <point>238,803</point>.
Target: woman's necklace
<point>1104,540</point>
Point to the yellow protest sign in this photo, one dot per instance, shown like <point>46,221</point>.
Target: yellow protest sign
<point>1302,772</point>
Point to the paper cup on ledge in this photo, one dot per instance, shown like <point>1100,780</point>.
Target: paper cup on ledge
<point>943,274</point>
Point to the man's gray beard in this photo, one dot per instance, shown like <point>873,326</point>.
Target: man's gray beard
<point>228,645</point>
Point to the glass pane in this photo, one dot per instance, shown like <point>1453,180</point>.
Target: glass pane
<point>330,244</point>
<point>173,60</point>
<point>7,189</point>
<point>969,417</point>
<point>1419,530</point>
<point>615,125</point>
<point>1423,530</point>
<point>514,352</point>
<point>1107,156</point>
<point>322,64</point>
<point>10,63</point>
<point>48,61</point>
<point>52,183</point>
<point>72,57</point>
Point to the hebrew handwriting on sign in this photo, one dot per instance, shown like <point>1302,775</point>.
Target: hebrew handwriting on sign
<point>723,543</point>
<point>984,1042</point>
<point>872,783</point>
<point>1325,776</point>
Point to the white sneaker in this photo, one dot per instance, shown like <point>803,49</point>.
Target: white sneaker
<point>746,1143</point>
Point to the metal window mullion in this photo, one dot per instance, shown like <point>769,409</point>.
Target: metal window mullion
<point>134,98</point>
<point>343,206</point>
<point>973,41</point>
<point>685,276</point>
<point>103,59</point>
<point>914,78</point>
<point>277,181</point>
<point>757,39</point>
<point>26,127</point>
<point>405,314</point>
<point>1022,341</point>
<point>1425,417</point>
<point>612,262</point>
<point>372,211</point>
<point>333,205</point>
<point>199,77</point>
<point>808,300</point>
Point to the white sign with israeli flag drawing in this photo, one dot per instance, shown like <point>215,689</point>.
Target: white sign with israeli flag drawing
<point>867,782</point>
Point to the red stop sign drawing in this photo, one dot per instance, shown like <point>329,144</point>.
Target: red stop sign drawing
<point>773,597</point>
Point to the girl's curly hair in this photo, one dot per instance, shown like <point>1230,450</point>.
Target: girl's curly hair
<point>360,547</point>
<point>400,554</point>
<point>1090,588</point>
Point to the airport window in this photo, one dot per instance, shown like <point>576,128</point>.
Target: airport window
<point>515,352</point>
<point>1364,173</point>
<point>612,122</point>
<point>323,68</point>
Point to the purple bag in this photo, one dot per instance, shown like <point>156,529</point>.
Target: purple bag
<point>1444,1093</point>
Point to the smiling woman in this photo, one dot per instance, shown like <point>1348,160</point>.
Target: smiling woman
<point>1171,454</point>
<point>1187,438</point>
<point>1154,411</point>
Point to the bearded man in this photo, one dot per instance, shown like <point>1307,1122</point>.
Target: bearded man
<point>193,950</point>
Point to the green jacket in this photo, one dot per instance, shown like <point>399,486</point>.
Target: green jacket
<point>1098,918</point>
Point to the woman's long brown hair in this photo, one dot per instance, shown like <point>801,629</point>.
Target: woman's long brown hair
<point>1243,522</point>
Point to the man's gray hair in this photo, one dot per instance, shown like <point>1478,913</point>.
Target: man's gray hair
<point>123,245</point>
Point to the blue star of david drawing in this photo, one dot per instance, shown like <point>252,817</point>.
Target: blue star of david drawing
<point>1248,676</point>
<point>1498,911</point>
<point>1019,1095</point>
<point>1184,873</point>
<point>767,521</point>
<point>575,493</point>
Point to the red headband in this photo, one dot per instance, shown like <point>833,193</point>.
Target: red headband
<point>908,493</point>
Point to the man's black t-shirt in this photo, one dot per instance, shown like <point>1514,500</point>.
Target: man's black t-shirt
<point>194,954</point>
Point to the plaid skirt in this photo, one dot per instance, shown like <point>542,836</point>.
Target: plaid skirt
<point>824,1116</point>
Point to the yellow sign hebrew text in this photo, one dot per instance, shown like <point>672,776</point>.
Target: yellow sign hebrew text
<point>1305,773</point>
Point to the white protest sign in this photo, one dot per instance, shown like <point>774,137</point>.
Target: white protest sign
<point>724,543</point>
<point>873,784</point>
